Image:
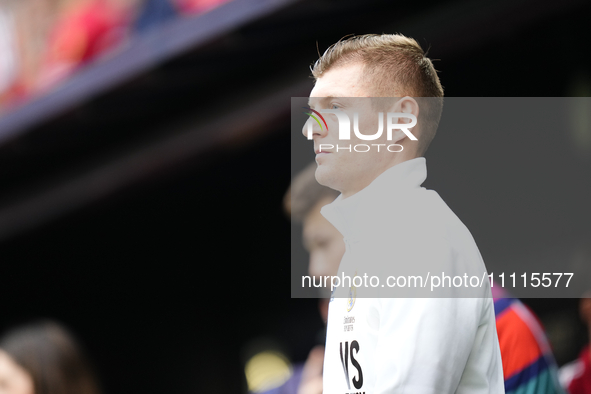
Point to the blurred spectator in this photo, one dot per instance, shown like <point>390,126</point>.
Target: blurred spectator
<point>528,361</point>
<point>325,246</point>
<point>25,30</point>
<point>44,41</point>
<point>576,375</point>
<point>43,358</point>
<point>84,30</point>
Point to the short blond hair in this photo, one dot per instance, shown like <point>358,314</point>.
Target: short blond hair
<point>394,66</point>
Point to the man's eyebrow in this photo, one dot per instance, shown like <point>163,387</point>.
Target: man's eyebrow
<point>320,99</point>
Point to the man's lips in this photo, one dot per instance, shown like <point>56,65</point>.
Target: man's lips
<point>317,151</point>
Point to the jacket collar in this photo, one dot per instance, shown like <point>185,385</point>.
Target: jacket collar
<point>361,213</point>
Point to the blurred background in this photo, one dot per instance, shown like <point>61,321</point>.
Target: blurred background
<point>144,157</point>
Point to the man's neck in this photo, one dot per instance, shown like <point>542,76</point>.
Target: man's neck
<point>357,188</point>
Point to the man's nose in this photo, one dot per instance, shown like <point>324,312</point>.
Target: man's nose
<point>312,129</point>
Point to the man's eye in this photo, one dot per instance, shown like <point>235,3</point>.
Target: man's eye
<point>335,106</point>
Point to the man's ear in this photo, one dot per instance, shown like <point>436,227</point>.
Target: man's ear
<point>406,105</point>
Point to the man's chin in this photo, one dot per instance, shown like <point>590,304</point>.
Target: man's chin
<point>325,177</point>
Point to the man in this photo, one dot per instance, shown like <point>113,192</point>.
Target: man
<point>528,362</point>
<point>325,246</point>
<point>388,345</point>
<point>576,375</point>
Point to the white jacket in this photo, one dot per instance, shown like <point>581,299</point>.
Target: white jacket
<point>417,345</point>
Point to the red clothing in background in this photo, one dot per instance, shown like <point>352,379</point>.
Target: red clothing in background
<point>83,32</point>
<point>576,376</point>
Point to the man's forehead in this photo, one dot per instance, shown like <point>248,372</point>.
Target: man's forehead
<point>342,81</point>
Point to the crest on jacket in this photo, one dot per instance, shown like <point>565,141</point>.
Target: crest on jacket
<point>352,296</point>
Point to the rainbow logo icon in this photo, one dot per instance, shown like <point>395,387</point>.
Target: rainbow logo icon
<point>315,118</point>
